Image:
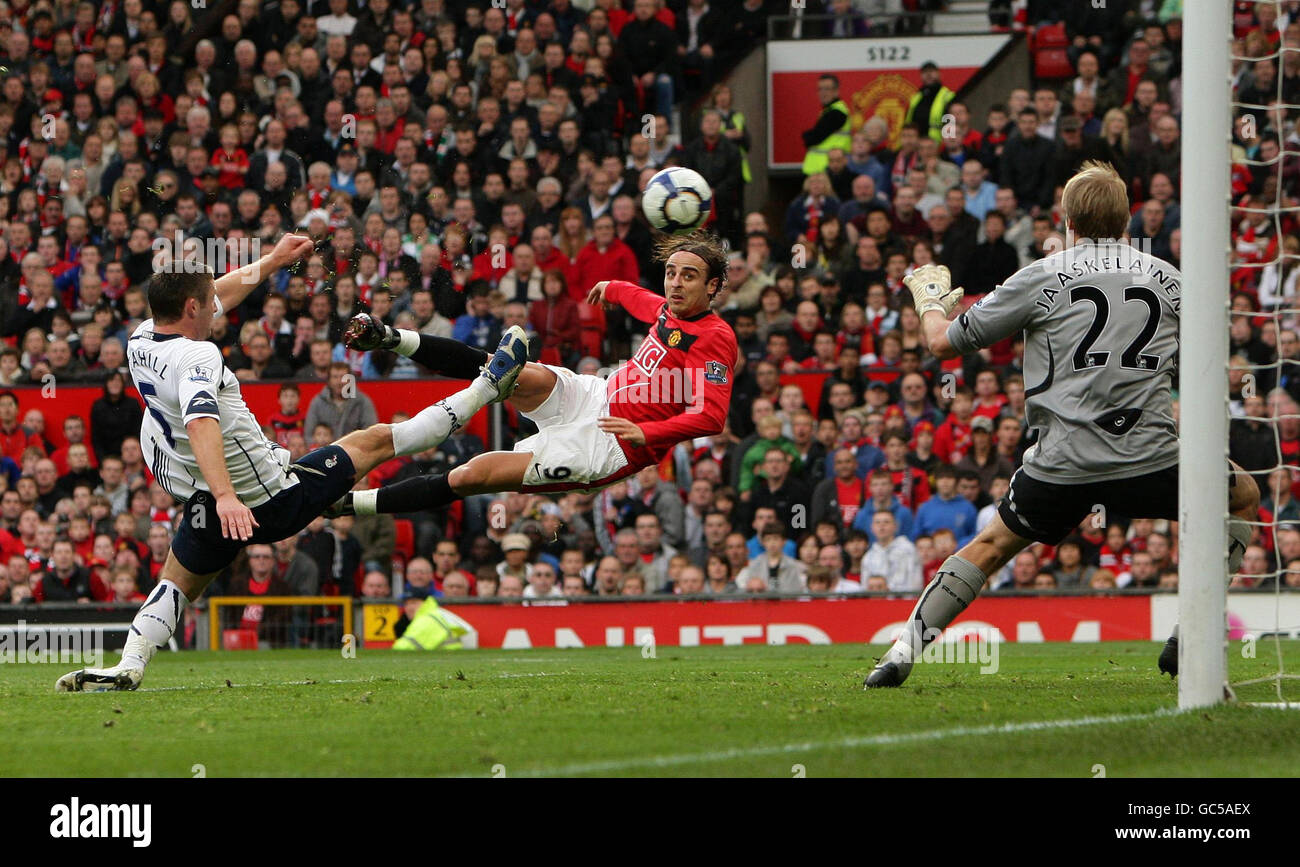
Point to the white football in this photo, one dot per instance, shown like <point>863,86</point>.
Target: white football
<point>677,200</point>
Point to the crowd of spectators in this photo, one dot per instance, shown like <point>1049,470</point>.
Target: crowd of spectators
<point>467,167</point>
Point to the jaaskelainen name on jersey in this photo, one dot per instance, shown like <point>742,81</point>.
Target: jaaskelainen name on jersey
<point>1101,342</point>
<point>1112,258</point>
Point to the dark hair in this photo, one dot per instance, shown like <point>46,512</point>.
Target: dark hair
<point>701,244</point>
<point>169,290</point>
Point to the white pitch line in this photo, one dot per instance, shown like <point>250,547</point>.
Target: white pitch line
<point>232,685</point>
<point>376,679</point>
<point>885,740</point>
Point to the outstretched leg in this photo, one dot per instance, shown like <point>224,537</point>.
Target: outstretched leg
<point>495,379</point>
<point>955,586</point>
<point>1243,506</point>
<point>488,473</point>
<point>446,356</point>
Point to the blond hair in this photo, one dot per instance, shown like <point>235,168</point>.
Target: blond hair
<point>1095,201</point>
<point>1105,126</point>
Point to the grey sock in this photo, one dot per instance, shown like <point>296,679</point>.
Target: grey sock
<point>953,587</point>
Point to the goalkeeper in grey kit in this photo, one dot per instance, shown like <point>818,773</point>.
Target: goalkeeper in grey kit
<point>1100,320</point>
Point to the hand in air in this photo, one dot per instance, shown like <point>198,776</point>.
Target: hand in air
<point>291,248</point>
<point>597,293</point>
<point>932,289</point>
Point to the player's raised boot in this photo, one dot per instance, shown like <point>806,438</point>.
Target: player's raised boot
<point>892,670</point>
<point>119,677</point>
<point>1168,661</point>
<point>503,368</point>
<point>366,333</point>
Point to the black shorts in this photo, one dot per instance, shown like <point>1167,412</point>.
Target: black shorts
<point>324,476</point>
<point>1048,512</point>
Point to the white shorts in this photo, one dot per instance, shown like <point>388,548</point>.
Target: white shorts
<point>570,452</point>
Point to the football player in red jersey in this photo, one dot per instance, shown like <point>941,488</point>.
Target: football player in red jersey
<point>591,431</point>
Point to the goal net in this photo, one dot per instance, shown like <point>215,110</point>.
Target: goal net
<point>1244,222</point>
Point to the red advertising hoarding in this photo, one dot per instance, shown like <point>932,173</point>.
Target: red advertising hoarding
<point>877,77</point>
<point>557,623</point>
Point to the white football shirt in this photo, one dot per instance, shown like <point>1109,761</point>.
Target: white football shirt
<point>182,380</point>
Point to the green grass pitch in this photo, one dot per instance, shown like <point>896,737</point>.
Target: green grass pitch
<point>1051,710</point>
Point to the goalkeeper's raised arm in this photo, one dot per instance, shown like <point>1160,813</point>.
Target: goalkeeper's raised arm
<point>935,298</point>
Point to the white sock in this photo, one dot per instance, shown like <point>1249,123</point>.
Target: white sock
<point>154,624</point>
<point>365,502</point>
<point>433,424</point>
<point>409,343</point>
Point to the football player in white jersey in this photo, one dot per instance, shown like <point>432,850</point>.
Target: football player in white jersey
<point>207,450</point>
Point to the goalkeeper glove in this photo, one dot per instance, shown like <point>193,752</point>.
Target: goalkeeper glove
<point>932,289</point>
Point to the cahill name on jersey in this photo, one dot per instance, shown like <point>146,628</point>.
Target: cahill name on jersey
<point>182,380</point>
<point>1101,348</point>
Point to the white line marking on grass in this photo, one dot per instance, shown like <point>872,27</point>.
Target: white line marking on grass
<point>884,740</point>
<point>194,686</point>
<point>376,679</point>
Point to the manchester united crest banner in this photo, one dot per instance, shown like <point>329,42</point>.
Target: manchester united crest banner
<point>877,77</point>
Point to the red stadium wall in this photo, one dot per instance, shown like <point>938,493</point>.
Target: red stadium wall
<point>389,396</point>
<point>557,623</point>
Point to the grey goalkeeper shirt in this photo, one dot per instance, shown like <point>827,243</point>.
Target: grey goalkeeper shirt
<point>1101,347</point>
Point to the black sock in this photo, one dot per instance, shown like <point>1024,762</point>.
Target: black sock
<point>449,357</point>
<point>415,495</point>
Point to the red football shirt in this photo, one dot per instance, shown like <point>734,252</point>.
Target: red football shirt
<point>678,384</point>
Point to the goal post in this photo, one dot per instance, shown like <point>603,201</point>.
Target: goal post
<point>1203,357</point>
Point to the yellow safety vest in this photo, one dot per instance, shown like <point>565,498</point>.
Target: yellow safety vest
<point>738,122</point>
<point>937,110</point>
<point>815,159</point>
<point>432,628</point>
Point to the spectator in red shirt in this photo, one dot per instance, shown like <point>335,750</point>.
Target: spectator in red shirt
<point>74,432</point>
<point>549,257</point>
<point>124,587</point>
<point>14,439</point>
<point>555,319</point>
<point>230,159</point>
<point>911,485</point>
<point>952,438</point>
<point>446,558</point>
<point>605,257</point>
<point>290,417</point>
<point>989,399</point>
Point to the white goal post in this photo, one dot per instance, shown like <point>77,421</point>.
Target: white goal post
<point>1203,356</point>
